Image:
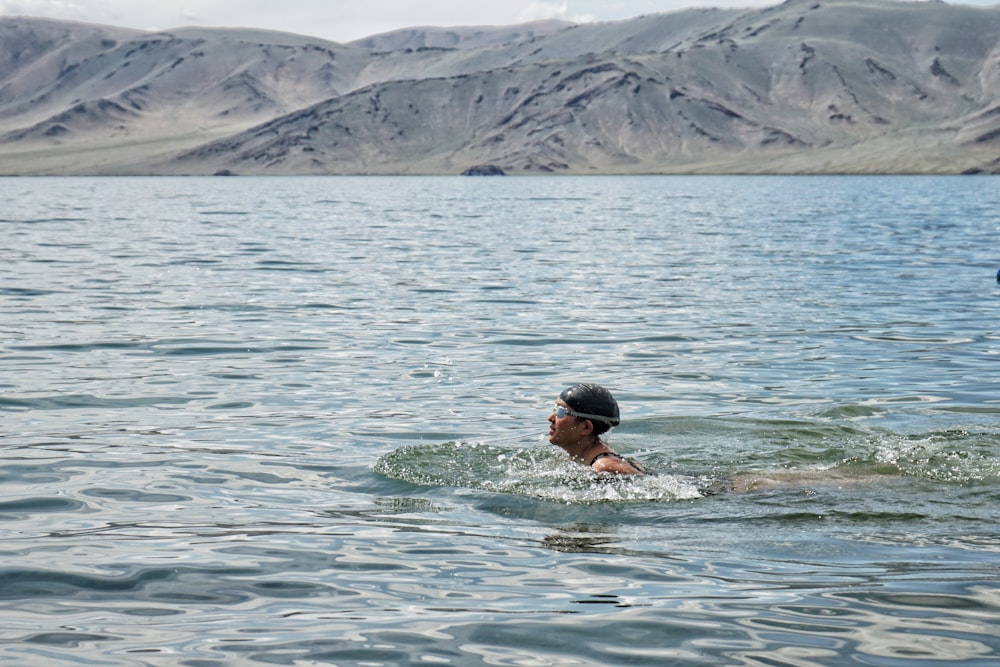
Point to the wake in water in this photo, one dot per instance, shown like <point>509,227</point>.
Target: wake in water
<point>699,457</point>
<point>540,473</point>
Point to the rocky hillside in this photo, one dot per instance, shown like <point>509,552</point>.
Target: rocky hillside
<point>808,86</point>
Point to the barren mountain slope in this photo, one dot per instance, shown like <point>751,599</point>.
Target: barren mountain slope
<point>472,37</point>
<point>103,96</point>
<point>805,86</point>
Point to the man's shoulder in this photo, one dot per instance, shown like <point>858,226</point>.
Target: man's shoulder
<point>615,463</point>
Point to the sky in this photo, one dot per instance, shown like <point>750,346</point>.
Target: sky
<point>346,20</point>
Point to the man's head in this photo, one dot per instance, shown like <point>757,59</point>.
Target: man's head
<point>593,402</point>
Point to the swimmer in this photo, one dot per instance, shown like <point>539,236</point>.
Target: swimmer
<point>582,414</point>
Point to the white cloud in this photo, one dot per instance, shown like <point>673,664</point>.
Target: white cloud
<point>49,8</point>
<point>537,11</point>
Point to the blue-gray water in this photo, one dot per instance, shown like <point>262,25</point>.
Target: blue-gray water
<point>301,421</point>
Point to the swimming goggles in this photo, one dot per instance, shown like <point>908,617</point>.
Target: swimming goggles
<point>561,411</point>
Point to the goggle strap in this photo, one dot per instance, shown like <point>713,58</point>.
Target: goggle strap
<point>599,418</point>
<point>584,415</point>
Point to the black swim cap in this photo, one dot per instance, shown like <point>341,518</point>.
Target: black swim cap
<point>593,401</point>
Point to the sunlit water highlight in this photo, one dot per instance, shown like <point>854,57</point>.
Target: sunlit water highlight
<point>301,421</point>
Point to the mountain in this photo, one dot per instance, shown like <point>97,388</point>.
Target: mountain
<point>808,86</point>
<point>459,38</point>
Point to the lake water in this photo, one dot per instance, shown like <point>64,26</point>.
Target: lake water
<point>302,421</point>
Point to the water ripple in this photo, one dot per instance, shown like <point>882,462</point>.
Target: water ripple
<point>279,421</point>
